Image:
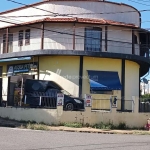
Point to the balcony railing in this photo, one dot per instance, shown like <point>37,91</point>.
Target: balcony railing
<point>61,43</point>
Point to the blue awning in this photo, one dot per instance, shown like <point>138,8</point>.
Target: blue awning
<point>15,59</point>
<point>104,80</point>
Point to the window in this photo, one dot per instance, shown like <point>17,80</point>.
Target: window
<point>10,43</point>
<point>93,39</point>
<point>20,38</point>
<point>27,37</point>
<point>4,43</point>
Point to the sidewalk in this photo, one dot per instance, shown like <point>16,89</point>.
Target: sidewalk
<point>17,124</point>
<point>102,131</point>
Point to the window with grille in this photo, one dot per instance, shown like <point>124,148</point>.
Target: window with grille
<point>20,38</point>
<point>10,43</point>
<point>27,37</point>
<point>93,39</point>
<point>4,43</point>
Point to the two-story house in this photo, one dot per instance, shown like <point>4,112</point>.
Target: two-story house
<point>92,47</point>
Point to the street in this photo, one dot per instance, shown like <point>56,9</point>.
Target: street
<point>18,139</point>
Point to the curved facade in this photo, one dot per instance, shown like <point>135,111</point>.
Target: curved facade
<point>99,37</point>
<point>92,9</point>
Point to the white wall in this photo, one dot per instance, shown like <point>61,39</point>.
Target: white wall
<point>131,81</point>
<point>124,35</point>
<point>119,38</point>
<point>77,7</point>
<point>56,40</point>
<point>24,12</point>
<point>35,39</point>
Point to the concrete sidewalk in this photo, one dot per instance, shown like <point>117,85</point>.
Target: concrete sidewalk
<point>16,124</point>
<point>102,131</point>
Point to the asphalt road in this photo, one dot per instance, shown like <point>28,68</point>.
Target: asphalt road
<point>16,139</point>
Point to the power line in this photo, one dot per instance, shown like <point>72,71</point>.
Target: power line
<point>138,2</point>
<point>64,33</point>
<point>70,15</point>
<point>145,0</point>
<point>22,23</point>
<point>57,14</point>
<point>60,32</point>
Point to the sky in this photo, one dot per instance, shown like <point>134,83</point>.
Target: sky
<point>144,4</point>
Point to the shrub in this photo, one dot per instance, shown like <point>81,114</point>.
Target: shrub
<point>121,126</point>
<point>104,126</point>
<point>73,125</point>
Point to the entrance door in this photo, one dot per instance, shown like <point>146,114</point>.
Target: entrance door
<point>16,88</point>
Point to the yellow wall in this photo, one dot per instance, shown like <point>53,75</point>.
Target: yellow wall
<point>131,81</point>
<point>64,70</point>
<point>101,64</point>
<point>5,78</point>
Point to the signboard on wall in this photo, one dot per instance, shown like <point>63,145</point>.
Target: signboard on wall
<point>21,68</point>
<point>88,100</point>
<point>60,99</point>
<point>113,101</point>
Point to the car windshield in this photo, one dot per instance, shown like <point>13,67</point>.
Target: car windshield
<point>65,92</point>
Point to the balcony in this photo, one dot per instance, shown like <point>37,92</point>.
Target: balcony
<point>60,43</point>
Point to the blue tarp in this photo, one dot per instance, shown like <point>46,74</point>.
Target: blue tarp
<point>104,80</point>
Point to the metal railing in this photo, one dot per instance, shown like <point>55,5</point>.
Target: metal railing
<point>29,101</point>
<point>101,104</point>
<point>41,101</point>
<point>128,105</point>
<point>66,43</point>
<point>104,104</point>
<point>144,105</point>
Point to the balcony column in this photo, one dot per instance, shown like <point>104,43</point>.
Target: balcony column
<point>74,33</point>
<point>106,35</point>
<point>80,76</point>
<point>123,84</point>
<point>133,42</point>
<point>42,36</point>
<point>6,42</point>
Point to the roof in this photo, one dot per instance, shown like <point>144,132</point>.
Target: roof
<point>75,20</point>
<point>45,1</point>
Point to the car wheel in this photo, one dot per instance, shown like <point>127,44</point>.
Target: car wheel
<point>69,106</point>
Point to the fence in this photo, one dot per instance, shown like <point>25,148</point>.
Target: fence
<point>30,101</point>
<point>63,42</point>
<point>144,105</point>
<point>41,101</point>
<point>104,104</point>
<point>50,102</point>
<point>101,104</point>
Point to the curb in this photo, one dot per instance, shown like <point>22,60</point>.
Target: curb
<point>85,130</point>
<point>13,124</point>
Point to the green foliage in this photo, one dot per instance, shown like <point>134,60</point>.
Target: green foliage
<point>104,126</point>
<point>122,126</point>
<point>36,126</point>
<point>145,96</point>
<point>73,125</point>
<point>110,126</point>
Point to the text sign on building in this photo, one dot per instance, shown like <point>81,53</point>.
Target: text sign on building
<point>21,68</point>
<point>60,99</point>
<point>88,100</point>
